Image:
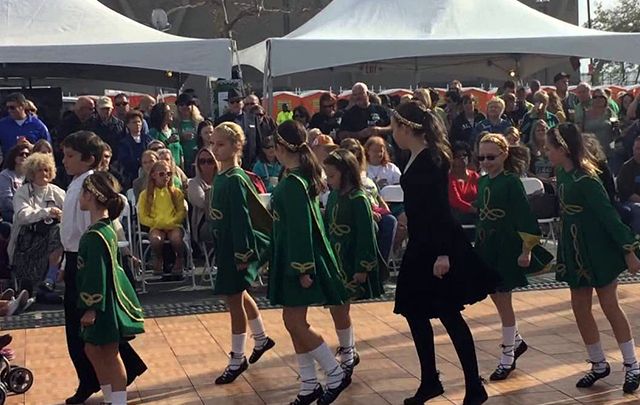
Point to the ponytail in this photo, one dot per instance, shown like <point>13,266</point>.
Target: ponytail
<point>424,123</point>
<point>518,160</point>
<point>105,188</point>
<point>115,205</point>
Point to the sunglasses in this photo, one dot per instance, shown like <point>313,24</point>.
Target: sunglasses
<point>490,158</point>
<point>122,104</point>
<point>164,174</point>
<point>206,161</point>
<point>599,97</point>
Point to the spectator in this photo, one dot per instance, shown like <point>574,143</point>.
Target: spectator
<point>629,186</point>
<point>463,126</point>
<point>301,114</point>
<point>149,157</point>
<point>42,146</point>
<point>122,107</point>
<point>249,102</point>
<point>514,111</point>
<point>539,111</point>
<point>249,125</point>
<point>380,169</point>
<point>463,184</point>
<point>186,123</point>
<point>161,208</point>
<point>198,194</point>
<point>583,96</point>
<point>534,86</point>
<point>364,119</point>
<point>453,101</point>
<point>205,133</point>
<point>493,123</point>
<point>267,166</point>
<point>513,136</point>
<point>35,250</point>
<point>322,146</point>
<point>624,100</point>
<point>161,129</point>
<point>131,147</point>
<point>539,165</point>
<point>600,120</point>
<point>78,119</point>
<point>284,115</point>
<point>326,120</point>
<point>146,104</point>
<point>105,163</point>
<point>12,177</point>
<point>592,145</point>
<point>569,100</point>
<point>179,178</point>
<point>633,110</point>
<point>31,108</point>
<point>107,126</point>
<point>20,124</point>
<point>266,125</point>
<point>521,98</point>
<point>555,106</point>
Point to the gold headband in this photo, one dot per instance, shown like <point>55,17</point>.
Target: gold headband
<point>405,121</point>
<point>560,140</point>
<point>93,190</point>
<point>497,139</point>
<point>291,147</point>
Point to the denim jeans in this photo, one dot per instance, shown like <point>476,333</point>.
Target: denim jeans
<point>386,227</point>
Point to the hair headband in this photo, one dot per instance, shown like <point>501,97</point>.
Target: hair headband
<point>93,190</point>
<point>558,137</point>
<point>291,147</point>
<point>405,121</point>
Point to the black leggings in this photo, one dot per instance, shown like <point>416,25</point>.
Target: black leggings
<point>460,335</point>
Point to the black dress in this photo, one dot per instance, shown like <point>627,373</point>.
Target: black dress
<point>433,232</point>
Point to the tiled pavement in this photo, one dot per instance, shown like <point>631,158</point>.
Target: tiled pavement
<point>185,353</point>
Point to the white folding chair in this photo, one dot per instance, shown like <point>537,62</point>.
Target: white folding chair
<point>392,194</point>
<point>210,270</point>
<point>532,185</point>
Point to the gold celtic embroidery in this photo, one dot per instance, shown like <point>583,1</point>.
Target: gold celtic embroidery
<point>303,267</point>
<point>80,263</point>
<point>368,266</point>
<point>334,227</point>
<point>568,209</point>
<point>582,272</point>
<point>90,299</point>
<point>244,257</point>
<point>632,247</point>
<point>487,213</point>
<point>529,240</point>
<point>215,214</point>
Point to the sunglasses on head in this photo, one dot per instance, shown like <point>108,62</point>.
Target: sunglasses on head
<point>490,158</point>
<point>206,161</point>
<point>122,104</point>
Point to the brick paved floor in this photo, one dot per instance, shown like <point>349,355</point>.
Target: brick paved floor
<point>184,354</point>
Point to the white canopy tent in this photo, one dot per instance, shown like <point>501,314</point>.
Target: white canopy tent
<point>87,33</point>
<point>485,39</point>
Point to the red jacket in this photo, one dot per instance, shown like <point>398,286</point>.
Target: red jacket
<point>463,193</point>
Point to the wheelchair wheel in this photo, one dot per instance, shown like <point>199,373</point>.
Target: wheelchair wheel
<point>3,394</point>
<point>20,379</point>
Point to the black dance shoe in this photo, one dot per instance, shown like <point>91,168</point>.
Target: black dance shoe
<point>348,368</point>
<point>331,394</point>
<point>229,375</point>
<point>80,397</point>
<point>631,381</point>
<point>309,398</point>
<point>519,351</point>
<point>425,393</point>
<point>476,394</point>
<point>592,376</point>
<point>502,372</point>
<point>257,353</point>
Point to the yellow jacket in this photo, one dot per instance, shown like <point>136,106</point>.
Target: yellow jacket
<point>163,214</point>
<point>284,116</point>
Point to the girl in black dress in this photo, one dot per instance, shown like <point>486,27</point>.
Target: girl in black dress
<point>440,273</point>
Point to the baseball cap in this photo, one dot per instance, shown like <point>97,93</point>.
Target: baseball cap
<point>104,102</point>
<point>561,75</point>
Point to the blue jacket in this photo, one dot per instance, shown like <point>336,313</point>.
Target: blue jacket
<point>32,129</point>
<point>129,155</point>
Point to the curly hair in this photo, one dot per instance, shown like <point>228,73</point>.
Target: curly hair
<point>35,162</point>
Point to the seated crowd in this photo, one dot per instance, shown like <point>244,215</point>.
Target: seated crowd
<point>164,154</point>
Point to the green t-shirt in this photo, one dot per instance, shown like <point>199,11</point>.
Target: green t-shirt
<point>190,146</point>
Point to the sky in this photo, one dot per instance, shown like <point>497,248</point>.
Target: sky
<point>582,7</point>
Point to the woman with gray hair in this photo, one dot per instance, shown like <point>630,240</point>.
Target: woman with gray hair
<point>37,213</point>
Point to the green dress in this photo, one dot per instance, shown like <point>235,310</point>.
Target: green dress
<point>593,239</point>
<point>238,241</point>
<point>505,223</point>
<point>349,228</point>
<point>299,246</point>
<point>104,287</point>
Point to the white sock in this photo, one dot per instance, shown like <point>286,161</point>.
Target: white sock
<point>508,345</point>
<point>119,397</point>
<point>519,338</point>
<point>347,345</point>
<point>628,350</point>
<point>257,332</point>
<point>106,392</point>
<point>307,369</point>
<point>328,362</point>
<point>237,348</point>
<point>597,357</point>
